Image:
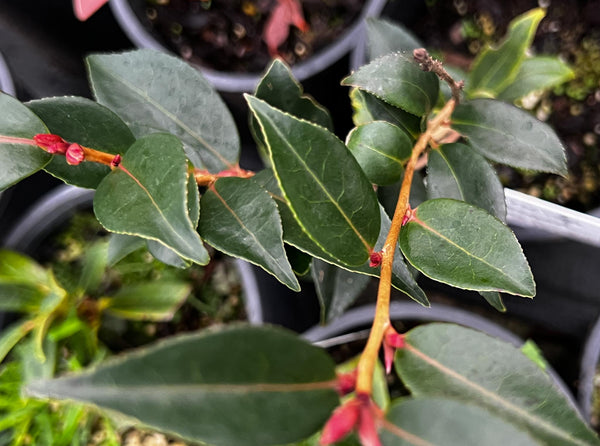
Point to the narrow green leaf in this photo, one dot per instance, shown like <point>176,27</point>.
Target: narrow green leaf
<point>385,37</point>
<point>20,297</point>
<point>87,123</point>
<point>147,196</point>
<point>506,134</point>
<point>456,171</point>
<point>535,74</point>
<point>11,335</point>
<point>464,246</point>
<point>496,68</point>
<point>294,235</point>
<point>154,92</point>
<point>368,108</point>
<point>280,89</point>
<point>18,160</point>
<point>19,268</point>
<point>156,301</point>
<point>336,288</point>
<point>449,361</point>
<point>494,299</point>
<point>437,421</point>
<point>95,261</point>
<point>248,386</point>
<point>398,80</point>
<point>325,187</point>
<point>381,149</point>
<point>241,219</point>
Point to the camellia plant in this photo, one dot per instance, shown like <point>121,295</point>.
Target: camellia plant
<point>161,150</point>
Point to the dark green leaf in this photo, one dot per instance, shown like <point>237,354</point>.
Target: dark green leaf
<point>241,219</point>
<point>402,278</point>
<point>385,37</point>
<point>398,80</point>
<point>327,191</point>
<point>456,171</point>
<point>18,160</point>
<point>246,386</point>
<point>121,245</point>
<point>299,260</point>
<point>336,288</point>
<point>496,68</point>
<point>438,421</point>
<point>535,74</point>
<point>280,89</point>
<point>494,299</point>
<point>509,135</point>
<point>87,123</point>
<point>464,246</point>
<point>154,92</point>
<point>156,301</point>
<point>95,261</point>
<point>368,108</point>
<point>381,149</point>
<point>449,361</point>
<point>166,255</point>
<point>147,196</point>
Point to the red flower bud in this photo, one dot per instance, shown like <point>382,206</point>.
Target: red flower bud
<point>375,259</point>
<point>58,147</point>
<point>116,161</point>
<point>367,427</point>
<point>346,382</point>
<point>391,341</point>
<point>74,154</point>
<point>45,140</point>
<point>341,422</point>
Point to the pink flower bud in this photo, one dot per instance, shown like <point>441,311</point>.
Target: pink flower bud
<point>367,427</point>
<point>74,154</point>
<point>375,259</point>
<point>346,382</point>
<point>58,147</point>
<point>391,342</point>
<point>341,422</point>
<point>116,161</point>
<point>45,140</point>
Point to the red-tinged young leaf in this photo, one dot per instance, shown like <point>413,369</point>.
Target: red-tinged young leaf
<point>285,14</point>
<point>239,385</point>
<point>84,9</point>
<point>464,246</point>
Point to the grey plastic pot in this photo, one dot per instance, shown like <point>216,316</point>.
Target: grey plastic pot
<point>128,18</point>
<point>354,325</point>
<point>6,82</point>
<point>55,209</point>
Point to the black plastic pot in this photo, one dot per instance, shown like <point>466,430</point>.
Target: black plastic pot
<point>354,325</point>
<point>6,82</point>
<point>128,13</point>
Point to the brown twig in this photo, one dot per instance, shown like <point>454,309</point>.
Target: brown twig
<point>428,63</point>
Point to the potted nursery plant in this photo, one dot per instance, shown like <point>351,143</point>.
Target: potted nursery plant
<point>159,148</point>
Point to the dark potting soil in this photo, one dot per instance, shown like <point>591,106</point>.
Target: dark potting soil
<point>460,28</point>
<point>227,35</point>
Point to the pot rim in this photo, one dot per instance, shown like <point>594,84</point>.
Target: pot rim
<point>6,82</point>
<point>242,82</point>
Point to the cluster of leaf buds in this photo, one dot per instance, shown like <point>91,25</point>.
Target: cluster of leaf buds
<point>54,144</point>
<point>375,259</point>
<point>359,413</point>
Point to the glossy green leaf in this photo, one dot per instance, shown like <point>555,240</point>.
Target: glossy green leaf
<point>456,171</point>
<point>398,80</point>
<point>438,421</point>
<point>496,68</point>
<point>325,187</point>
<point>336,288</point>
<point>368,108</point>
<point>87,123</point>
<point>155,92</point>
<point>494,299</point>
<point>166,255</point>
<point>464,246</point>
<point>449,361</point>
<point>294,235</point>
<point>381,149</point>
<point>19,159</point>
<point>384,37</point>
<point>506,134</point>
<point>535,74</point>
<point>156,301</point>
<point>246,386</point>
<point>280,89</point>
<point>240,218</point>
<point>121,245</point>
<point>147,196</point>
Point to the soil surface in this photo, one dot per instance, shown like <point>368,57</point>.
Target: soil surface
<point>227,35</point>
